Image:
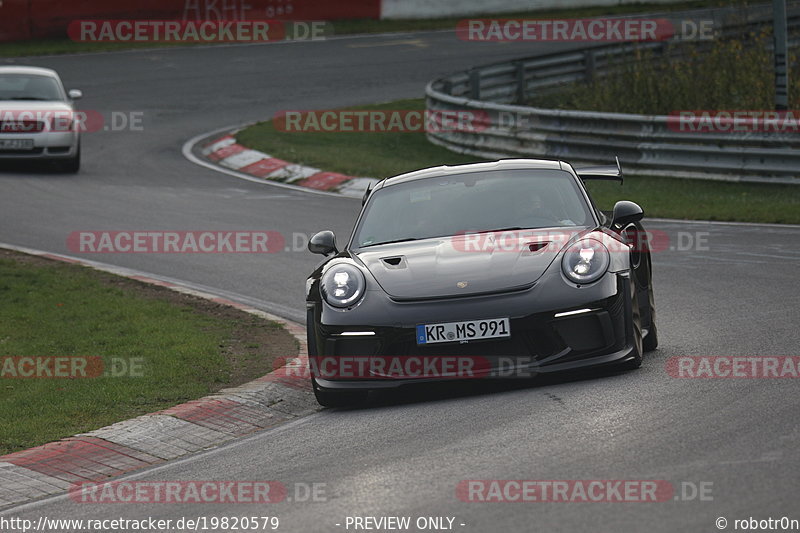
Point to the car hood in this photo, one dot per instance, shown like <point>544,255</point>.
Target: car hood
<point>464,265</point>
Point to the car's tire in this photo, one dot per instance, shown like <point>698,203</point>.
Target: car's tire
<point>636,319</point>
<point>337,398</point>
<point>73,164</point>
<point>651,339</point>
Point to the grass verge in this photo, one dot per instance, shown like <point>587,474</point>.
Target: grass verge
<point>387,154</point>
<point>36,47</point>
<point>734,73</point>
<point>164,347</point>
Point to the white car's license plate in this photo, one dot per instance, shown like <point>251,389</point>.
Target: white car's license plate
<point>470,330</point>
<point>16,144</point>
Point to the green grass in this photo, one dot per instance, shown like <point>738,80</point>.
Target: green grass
<point>386,154</point>
<point>347,27</point>
<point>703,200</point>
<point>64,310</point>
<point>355,154</point>
<point>734,73</point>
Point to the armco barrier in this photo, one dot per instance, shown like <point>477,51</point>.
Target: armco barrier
<point>25,19</point>
<point>647,145</point>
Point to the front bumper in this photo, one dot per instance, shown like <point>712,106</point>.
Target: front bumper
<point>46,145</point>
<point>545,339</point>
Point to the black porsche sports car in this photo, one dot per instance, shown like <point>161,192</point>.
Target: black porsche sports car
<point>488,270</point>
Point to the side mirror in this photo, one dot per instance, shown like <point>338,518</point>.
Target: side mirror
<point>75,94</point>
<point>626,212</point>
<point>323,243</point>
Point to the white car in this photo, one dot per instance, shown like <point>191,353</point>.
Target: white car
<point>37,118</point>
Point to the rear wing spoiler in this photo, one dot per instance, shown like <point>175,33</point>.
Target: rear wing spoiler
<point>608,172</point>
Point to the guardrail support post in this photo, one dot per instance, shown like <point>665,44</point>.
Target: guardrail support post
<point>591,65</point>
<point>781,55</point>
<point>475,84</point>
<point>447,87</point>
<point>519,70</point>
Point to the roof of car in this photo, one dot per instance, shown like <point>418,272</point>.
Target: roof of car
<point>503,164</point>
<point>28,70</point>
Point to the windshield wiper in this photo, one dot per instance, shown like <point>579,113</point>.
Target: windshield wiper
<point>513,228</point>
<point>29,98</point>
<point>390,242</point>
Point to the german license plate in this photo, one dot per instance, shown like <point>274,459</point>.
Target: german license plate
<point>470,330</point>
<point>16,144</point>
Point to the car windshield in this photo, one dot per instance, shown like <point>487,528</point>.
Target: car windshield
<point>29,87</point>
<point>473,202</point>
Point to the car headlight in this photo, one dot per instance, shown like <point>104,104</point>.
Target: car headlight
<point>343,285</point>
<point>585,261</point>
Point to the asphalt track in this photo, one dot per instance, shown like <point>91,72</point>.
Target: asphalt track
<point>735,294</point>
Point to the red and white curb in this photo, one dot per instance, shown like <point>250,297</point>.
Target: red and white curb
<point>226,152</point>
<point>157,437</point>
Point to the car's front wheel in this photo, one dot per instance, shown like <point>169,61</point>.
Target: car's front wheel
<point>73,164</point>
<point>338,398</point>
<point>650,341</point>
<point>636,319</point>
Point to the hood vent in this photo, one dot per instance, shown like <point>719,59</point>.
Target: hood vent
<point>536,246</point>
<point>394,262</point>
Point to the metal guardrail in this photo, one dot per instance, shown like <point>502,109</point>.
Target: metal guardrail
<point>647,145</point>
